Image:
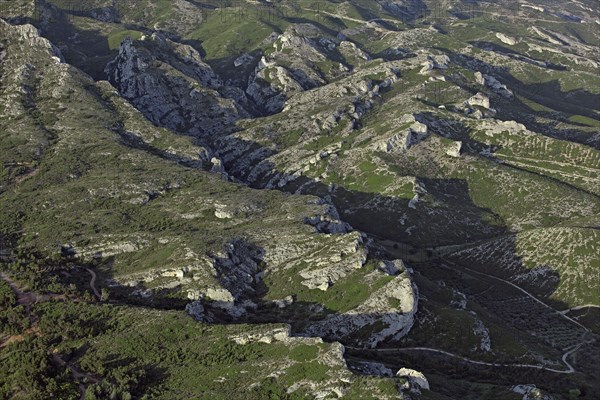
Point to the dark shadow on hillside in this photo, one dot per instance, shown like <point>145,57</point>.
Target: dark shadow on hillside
<point>489,46</point>
<point>453,285</point>
<point>144,376</point>
<point>87,50</point>
<point>300,20</point>
<point>459,380</point>
<point>550,94</point>
<point>407,11</point>
<point>547,94</point>
<point>460,132</point>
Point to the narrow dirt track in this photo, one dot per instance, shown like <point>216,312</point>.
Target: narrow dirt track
<point>569,369</point>
<point>93,283</point>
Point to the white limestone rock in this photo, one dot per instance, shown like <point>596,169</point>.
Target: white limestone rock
<point>221,212</point>
<point>400,141</point>
<point>531,392</point>
<point>217,165</point>
<point>263,336</point>
<point>416,378</point>
<point>389,311</point>
<point>478,106</point>
<point>506,39</point>
<point>479,100</point>
<point>346,259</point>
<point>481,331</point>
<point>479,78</point>
<point>453,150</point>
<point>494,84</point>
<point>29,34</point>
<point>405,139</point>
<point>244,59</point>
<point>393,267</point>
<point>219,295</point>
<point>328,224</point>
<point>349,49</point>
<point>434,62</point>
<point>283,303</point>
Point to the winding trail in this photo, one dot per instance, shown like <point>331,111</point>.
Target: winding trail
<point>93,284</point>
<point>569,369</point>
<point>27,298</point>
<point>581,307</point>
<point>518,288</point>
<point>77,375</point>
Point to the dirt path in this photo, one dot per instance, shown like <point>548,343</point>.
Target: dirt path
<point>372,23</point>
<point>23,298</point>
<point>77,375</point>
<point>518,288</point>
<point>27,298</point>
<point>93,284</point>
<point>28,175</point>
<point>581,307</point>
<point>20,337</point>
<point>569,369</point>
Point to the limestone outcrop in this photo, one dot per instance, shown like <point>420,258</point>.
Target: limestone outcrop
<point>388,313</point>
<point>416,380</point>
<point>174,87</point>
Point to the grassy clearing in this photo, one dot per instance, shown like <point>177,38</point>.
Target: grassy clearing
<point>115,38</point>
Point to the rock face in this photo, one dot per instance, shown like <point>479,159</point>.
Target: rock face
<point>387,313</point>
<point>530,392</point>
<point>392,267</point>
<point>405,139</point>
<point>237,272</point>
<point>243,60</point>
<point>372,368</point>
<point>349,49</point>
<point>173,87</point>
<point>324,274</point>
<point>402,141</point>
<point>29,35</point>
<point>237,268</point>
<point>416,379</point>
<point>479,100</point>
<point>493,84</point>
<point>478,106</point>
<point>196,310</point>
<point>329,222</point>
<point>271,86</point>
<point>264,336</point>
<point>454,149</point>
<point>434,62</point>
<point>295,63</point>
<point>506,39</point>
<point>482,332</point>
